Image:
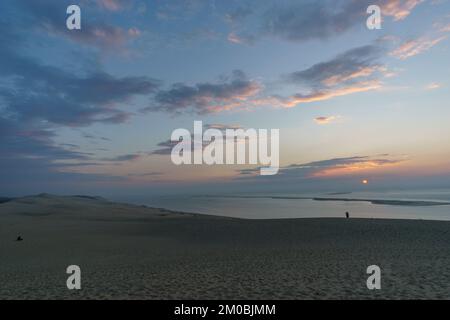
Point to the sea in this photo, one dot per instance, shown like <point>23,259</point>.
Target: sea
<point>389,204</point>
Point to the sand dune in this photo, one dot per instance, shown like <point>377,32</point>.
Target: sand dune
<point>135,252</point>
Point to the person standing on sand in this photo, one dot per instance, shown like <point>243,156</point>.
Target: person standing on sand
<point>347,215</point>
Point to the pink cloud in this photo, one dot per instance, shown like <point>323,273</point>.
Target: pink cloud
<point>414,47</point>
<point>294,100</point>
<point>111,5</point>
<point>399,9</point>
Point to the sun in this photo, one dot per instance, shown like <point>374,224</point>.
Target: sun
<point>365,181</point>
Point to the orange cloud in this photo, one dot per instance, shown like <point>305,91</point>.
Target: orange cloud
<point>351,168</point>
<point>362,72</point>
<point>399,9</point>
<point>242,99</point>
<point>297,99</point>
<point>335,167</point>
<point>414,47</point>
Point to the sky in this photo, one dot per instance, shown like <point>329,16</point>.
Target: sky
<point>91,111</point>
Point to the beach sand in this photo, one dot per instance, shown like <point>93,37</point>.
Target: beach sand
<point>134,252</point>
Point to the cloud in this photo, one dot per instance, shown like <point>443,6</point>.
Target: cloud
<point>181,9</point>
<point>165,147</point>
<point>99,35</point>
<point>30,161</point>
<point>113,5</point>
<point>325,120</point>
<point>50,16</point>
<point>222,127</point>
<point>310,20</point>
<point>241,38</point>
<point>134,32</point>
<point>43,92</point>
<point>350,65</point>
<point>355,165</point>
<point>27,150</point>
<point>72,103</point>
<point>339,78</point>
<point>238,15</point>
<point>445,28</point>
<point>414,47</point>
<point>321,95</point>
<point>18,139</point>
<point>146,174</point>
<point>399,9</point>
<point>234,38</point>
<point>236,18</point>
<point>124,157</point>
<point>202,98</point>
<point>36,99</point>
<point>328,168</point>
<point>354,71</point>
<point>93,137</point>
<point>433,85</point>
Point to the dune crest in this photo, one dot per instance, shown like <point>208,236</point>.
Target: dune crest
<point>81,206</point>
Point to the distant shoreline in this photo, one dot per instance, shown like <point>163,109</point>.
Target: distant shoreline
<point>391,202</point>
<point>408,203</point>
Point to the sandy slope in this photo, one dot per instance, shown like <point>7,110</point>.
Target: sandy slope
<point>135,252</point>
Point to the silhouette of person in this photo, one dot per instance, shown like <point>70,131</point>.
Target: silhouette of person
<point>347,215</point>
<point>19,238</point>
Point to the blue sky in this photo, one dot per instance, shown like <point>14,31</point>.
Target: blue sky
<point>85,110</point>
